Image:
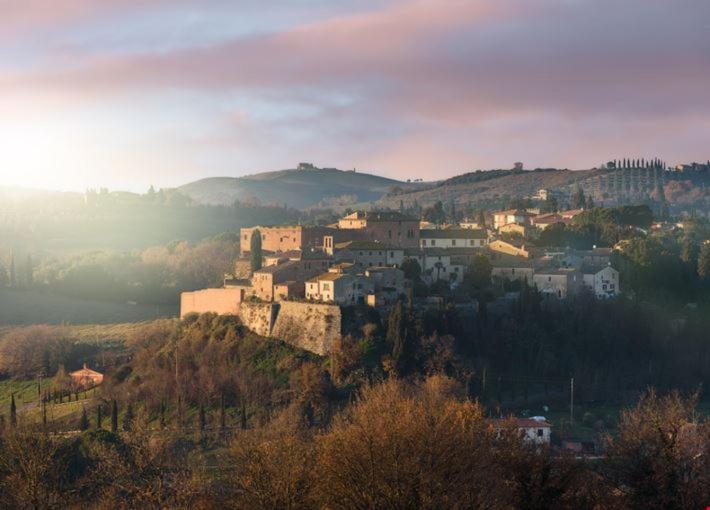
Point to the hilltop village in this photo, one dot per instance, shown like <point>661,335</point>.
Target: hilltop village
<point>286,275</point>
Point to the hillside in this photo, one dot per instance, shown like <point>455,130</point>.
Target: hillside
<point>296,188</point>
<point>494,187</point>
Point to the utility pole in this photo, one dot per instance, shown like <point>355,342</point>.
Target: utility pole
<point>571,401</point>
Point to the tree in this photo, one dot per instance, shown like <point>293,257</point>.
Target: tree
<point>128,418</point>
<point>399,338</point>
<point>202,418</point>
<point>114,417</point>
<point>704,261</point>
<point>4,280</point>
<point>84,420</point>
<point>411,269</point>
<point>690,252</point>
<point>255,252</point>
<point>13,274</point>
<point>479,273</point>
<point>29,272</point>
<point>13,411</point>
<point>99,416</point>
<point>435,213</point>
<point>659,458</point>
<point>481,220</point>
<point>578,200</point>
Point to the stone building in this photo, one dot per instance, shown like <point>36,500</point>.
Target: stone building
<point>367,253</point>
<point>285,238</point>
<point>392,228</point>
<point>286,279</point>
<point>557,283</point>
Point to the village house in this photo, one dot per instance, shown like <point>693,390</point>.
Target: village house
<point>558,282</point>
<point>389,283</point>
<point>286,279</point>
<point>512,268</point>
<point>85,378</point>
<point>392,228</point>
<point>367,253</point>
<point>453,238</point>
<point>340,288</point>
<point>515,248</point>
<point>536,430</point>
<point>603,281</point>
<point>438,264</point>
<point>544,221</point>
<point>520,229</point>
<point>501,218</point>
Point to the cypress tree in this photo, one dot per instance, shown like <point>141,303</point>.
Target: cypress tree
<point>202,417</point>
<point>255,250</point>
<point>398,338</point>
<point>222,413</point>
<point>13,274</point>
<point>29,272</point>
<point>44,414</point>
<point>162,414</point>
<point>114,416</point>
<point>128,418</point>
<point>84,421</point>
<point>13,411</point>
<point>99,416</point>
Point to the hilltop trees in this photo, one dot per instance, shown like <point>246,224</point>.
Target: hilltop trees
<point>4,279</point>
<point>255,252</point>
<point>704,261</point>
<point>659,459</point>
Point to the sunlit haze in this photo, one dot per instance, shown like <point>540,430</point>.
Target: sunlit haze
<point>127,93</point>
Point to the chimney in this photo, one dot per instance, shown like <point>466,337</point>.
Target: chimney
<point>85,365</point>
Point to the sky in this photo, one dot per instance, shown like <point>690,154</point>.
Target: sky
<point>131,93</point>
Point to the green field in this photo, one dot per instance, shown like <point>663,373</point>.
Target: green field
<point>31,307</point>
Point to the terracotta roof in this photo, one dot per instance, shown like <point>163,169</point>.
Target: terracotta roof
<point>329,277</point>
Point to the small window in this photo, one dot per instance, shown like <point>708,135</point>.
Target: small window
<point>433,242</point>
<point>540,433</point>
<point>453,242</point>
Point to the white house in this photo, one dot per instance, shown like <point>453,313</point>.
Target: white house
<point>453,238</point>
<point>535,430</point>
<point>340,288</point>
<point>438,264</point>
<point>603,281</point>
<point>501,218</point>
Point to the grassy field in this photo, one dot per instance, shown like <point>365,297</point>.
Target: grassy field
<point>31,307</point>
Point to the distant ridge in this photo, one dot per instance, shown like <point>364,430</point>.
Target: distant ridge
<point>302,188</point>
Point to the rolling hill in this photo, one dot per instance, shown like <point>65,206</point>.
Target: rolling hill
<point>301,189</point>
<point>487,188</point>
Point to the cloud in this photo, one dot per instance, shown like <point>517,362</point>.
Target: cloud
<point>425,86</point>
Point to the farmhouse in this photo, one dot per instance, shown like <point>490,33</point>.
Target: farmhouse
<point>86,378</point>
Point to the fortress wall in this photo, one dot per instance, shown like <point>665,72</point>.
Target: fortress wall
<point>310,326</point>
<point>258,317</point>
<point>221,301</point>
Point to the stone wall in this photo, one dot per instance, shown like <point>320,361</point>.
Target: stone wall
<point>258,317</point>
<point>310,326</point>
